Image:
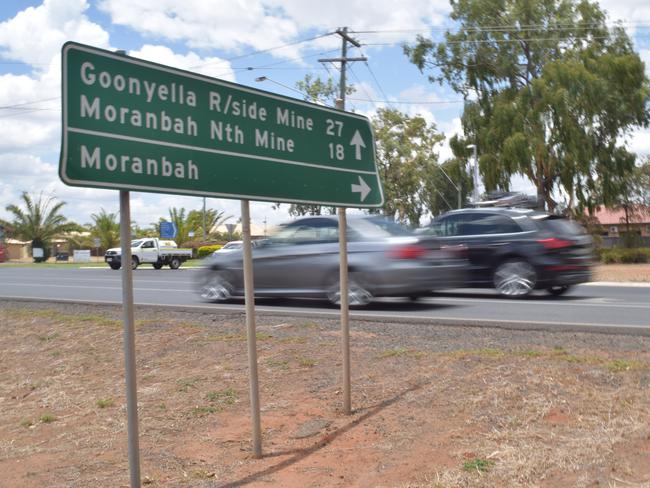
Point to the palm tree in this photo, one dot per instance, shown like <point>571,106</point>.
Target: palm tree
<point>213,219</point>
<point>40,221</point>
<point>106,227</point>
<point>177,216</point>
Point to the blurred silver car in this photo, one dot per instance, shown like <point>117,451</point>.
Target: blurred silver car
<point>302,260</point>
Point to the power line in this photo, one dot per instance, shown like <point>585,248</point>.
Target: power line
<point>409,102</point>
<point>295,59</point>
<point>30,103</point>
<point>362,87</point>
<point>512,27</point>
<point>376,80</point>
<point>500,41</point>
<point>262,51</point>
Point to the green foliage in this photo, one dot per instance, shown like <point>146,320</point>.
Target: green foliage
<point>105,402</point>
<point>193,222</point>
<point>39,221</point>
<point>207,250</point>
<point>621,365</point>
<point>223,397</point>
<point>213,219</point>
<point>47,418</point>
<point>106,227</point>
<point>550,97</point>
<point>407,163</point>
<point>325,92</point>
<point>624,255</point>
<point>478,464</point>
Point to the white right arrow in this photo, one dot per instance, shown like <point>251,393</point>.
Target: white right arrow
<point>357,141</point>
<point>361,188</point>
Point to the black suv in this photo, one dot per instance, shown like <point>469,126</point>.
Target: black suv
<point>516,250</point>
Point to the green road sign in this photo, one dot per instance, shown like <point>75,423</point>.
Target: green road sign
<point>135,125</point>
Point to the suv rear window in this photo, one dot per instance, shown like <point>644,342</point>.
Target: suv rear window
<point>560,226</point>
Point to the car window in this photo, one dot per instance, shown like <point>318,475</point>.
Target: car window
<point>385,226</point>
<point>485,224</point>
<point>147,245</point>
<point>561,226</point>
<point>307,231</point>
<point>451,225</point>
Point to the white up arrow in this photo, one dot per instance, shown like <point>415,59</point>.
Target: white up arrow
<point>361,188</point>
<point>357,141</point>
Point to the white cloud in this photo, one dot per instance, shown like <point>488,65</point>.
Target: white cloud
<point>204,24</point>
<point>36,34</point>
<point>630,12</point>
<point>639,142</point>
<point>263,24</point>
<point>211,66</point>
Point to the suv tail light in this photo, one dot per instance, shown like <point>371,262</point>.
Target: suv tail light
<point>555,243</point>
<point>410,251</point>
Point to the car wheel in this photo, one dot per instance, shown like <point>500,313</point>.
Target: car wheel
<point>134,262</point>
<point>358,294</point>
<point>175,263</point>
<point>515,278</point>
<point>157,265</point>
<point>558,290</point>
<point>217,287</point>
<point>114,266</point>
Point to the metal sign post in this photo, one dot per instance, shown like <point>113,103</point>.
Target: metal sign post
<point>343,239</point>
<point>249,296</point>
<point>129,340</point>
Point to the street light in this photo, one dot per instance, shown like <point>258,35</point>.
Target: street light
<point>473,146</point>
<point>260,79</point>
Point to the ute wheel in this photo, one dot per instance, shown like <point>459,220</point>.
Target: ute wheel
<point>558,290</point>
<point>158,265</point>
<point>217,287</point>
<point>515,278</point>
<point>175,263</point>
<point>134,262</point>
<point>358,294</point>
<point>114,266</point>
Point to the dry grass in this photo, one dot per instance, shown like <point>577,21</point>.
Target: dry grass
<point>531,415</point>
<point>622,272</point>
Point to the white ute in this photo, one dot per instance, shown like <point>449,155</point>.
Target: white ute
<point>150,250</point>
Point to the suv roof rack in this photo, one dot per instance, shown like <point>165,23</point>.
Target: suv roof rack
<point>508,199</point>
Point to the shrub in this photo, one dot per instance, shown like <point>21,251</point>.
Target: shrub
<point>207,250</point>
<point>627,256</point>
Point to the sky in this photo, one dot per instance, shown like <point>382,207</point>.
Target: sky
<point>238,41</point>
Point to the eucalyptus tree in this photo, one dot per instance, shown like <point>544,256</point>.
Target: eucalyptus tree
<point>634,198</point>
<point>39,221</point>
<point>550,92</point>
<point>407,164</point>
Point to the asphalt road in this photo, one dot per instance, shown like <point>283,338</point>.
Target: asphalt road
<point>592,306</point>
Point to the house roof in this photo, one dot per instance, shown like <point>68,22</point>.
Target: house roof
<point>614,217</point>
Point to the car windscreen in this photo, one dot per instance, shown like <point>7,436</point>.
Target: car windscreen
<point>136,243</point>
<point>389,226</point>
<point>560,226</point>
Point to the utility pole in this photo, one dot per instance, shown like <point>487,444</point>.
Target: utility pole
<point>343,60</point>
<point>204,229</point>
<point>343,241</point>
<point>475,157</point>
